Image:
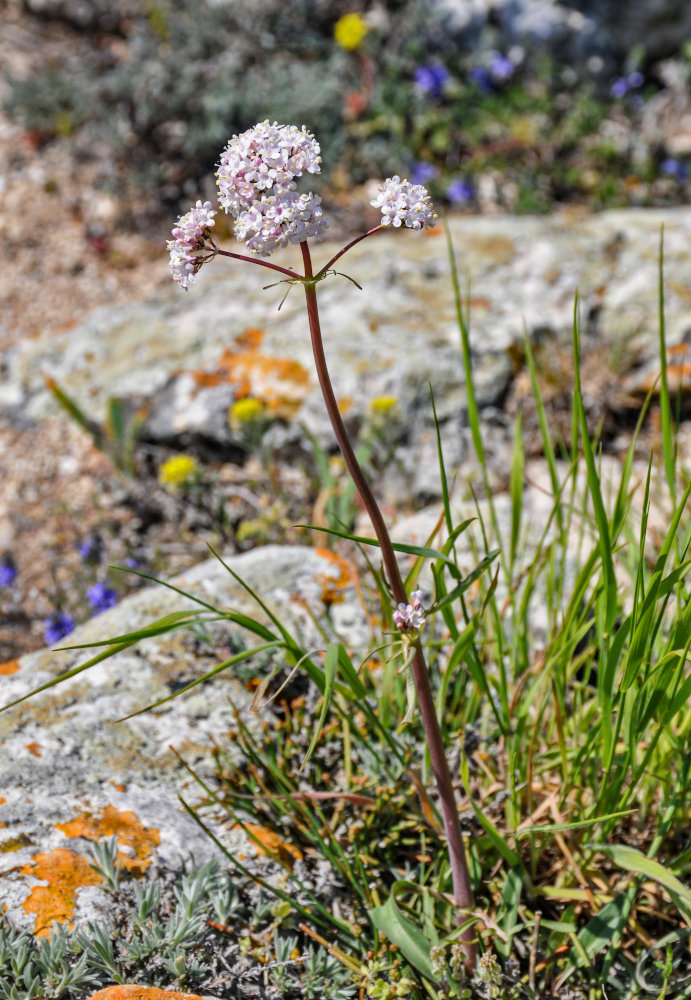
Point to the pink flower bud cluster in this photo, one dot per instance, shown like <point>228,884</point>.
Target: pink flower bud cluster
<point>256,184</point>
<point>190,236</point>
<point>404,203</point>
<point>410,616</point>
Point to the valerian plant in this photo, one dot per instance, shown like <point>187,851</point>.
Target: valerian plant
<point>257,186</point>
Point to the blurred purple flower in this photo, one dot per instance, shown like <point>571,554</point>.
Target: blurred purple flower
<point>481,77</point>
<point>101,597</point>
<point>624,84</point>
<point>501,67</point>
<point>674,168</point>
<point>430,79</point>
<point>423,173</point>
<point>459,191</point>
<point>8,570</point>
<point>91,550</point>
<point>57,627</point>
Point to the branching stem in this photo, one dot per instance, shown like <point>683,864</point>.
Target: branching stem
<point>459,867</point>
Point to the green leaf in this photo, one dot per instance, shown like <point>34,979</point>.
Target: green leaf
<point>516,486</point>
<point>401,931</point>
<point>413,550</point>
<point>602,929</point>
<point>330,670</point>
<point>632,860</point>
<point>576,825</point>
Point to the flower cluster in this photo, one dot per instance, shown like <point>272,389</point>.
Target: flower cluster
<point>256,185</point>
<point>191,236</point>
<point>350,31</point>
<point>410,616</point>
<point>404,203</point>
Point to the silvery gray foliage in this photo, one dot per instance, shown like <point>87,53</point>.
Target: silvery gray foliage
<point>161,930</point>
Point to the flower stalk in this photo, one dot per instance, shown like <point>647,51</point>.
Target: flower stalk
<point>256,183</point>
<point>460,875</point>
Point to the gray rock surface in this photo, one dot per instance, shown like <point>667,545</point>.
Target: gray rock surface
<point>70,773</point>
<point>190,355</point>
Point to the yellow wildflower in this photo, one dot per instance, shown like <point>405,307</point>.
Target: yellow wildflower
<point>180,470</point>
<point>349,31</point>
<point>381,406</point>
<point>245,411</point>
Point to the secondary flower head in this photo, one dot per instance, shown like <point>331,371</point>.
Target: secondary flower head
<point>191,238</point>
<point>350,31</point>
<point>410,616</point>
<point>404,203</point>
<point>57,627</point>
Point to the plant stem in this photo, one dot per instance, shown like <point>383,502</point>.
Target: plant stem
<point>459,867</point>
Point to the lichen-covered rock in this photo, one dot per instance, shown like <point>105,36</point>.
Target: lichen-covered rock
<point>72,775</point>
<point>190,356</point>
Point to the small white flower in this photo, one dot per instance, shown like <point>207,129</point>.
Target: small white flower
<point>410,616</point>
<point>403,203</point>
<point>276,220</point>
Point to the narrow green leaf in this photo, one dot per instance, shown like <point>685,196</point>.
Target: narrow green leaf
<point>516,486</point>
<point>576,825</point>
<point>413,550</point>
<point>330,670</point>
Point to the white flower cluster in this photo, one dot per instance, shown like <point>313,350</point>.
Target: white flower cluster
<point>410,616</point>
<point>404,203</point>
<point>256,184</point>
<point>189,237</point>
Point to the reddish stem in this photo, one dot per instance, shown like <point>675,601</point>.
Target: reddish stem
<point>463,895</point>
<point>346,248</point>
<point>256,260</point>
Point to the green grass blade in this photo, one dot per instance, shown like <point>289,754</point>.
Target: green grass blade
<point>604,539</point>
<point>668,441</point>
<point>330,669</point>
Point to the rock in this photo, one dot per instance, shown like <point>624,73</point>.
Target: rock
<point>72,775</point>
<point>189,356</point>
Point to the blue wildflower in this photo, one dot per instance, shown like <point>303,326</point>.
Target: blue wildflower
<point>57,627</point>
<point>8,570</point>
<point>459,191</point>
<point>481,78</point>
<point>101,597</point>
<point>674,168</point>
<point>431,79</point>
<point>501,67</point>
<point>423,173</point>
<point>624,84</point>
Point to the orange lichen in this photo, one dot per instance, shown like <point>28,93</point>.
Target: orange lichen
<point>34,748</point>
<point>269,843</point>
<point>9,666</point>
<point>65,872</point>
<point>280,384</point>
<point>134,992</point>
<point>332,587</point>
<point>126,826</point>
